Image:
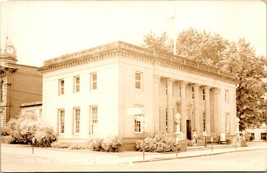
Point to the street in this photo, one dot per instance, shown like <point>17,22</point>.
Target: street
<point>236,161</point>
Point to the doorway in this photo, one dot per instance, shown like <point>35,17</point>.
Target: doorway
<point>188,130</point>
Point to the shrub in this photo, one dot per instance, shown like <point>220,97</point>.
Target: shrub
<point>26,127</point>
<point>95,144</point>
<point>7,139</point>
<point>10,128</point>
<point>77,146</point>
<point>5,131</point>
<point>44,135</point>
<point>157,143</point>
<point>111,144</point>
<point>59,144</point>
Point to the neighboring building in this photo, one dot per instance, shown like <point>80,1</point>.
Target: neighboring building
<point>258,134</point>
<point>32,108</point>
<point>89,93</point>
<point>18,84</point>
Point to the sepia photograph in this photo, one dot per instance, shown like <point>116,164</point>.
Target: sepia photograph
<point>129,86</point>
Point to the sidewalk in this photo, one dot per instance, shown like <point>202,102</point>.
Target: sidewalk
<point>127,157</point>
<point>204,151</point>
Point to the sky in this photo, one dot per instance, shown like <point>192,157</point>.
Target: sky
<point>42,30</point>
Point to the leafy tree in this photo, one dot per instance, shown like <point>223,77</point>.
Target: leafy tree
<point>249,72</point>
<point>203,47</point>
<point>238,58</point>
<point>158,43</point>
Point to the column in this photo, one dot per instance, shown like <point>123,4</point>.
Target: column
<point>156,103</point>
<point>170,105</point>
<point>183,106</point>
<point>196,108</point>
<point>207,109</point>
<point>216,112</point>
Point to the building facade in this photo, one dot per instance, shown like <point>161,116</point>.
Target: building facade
<point>32,108</point>
<point>18,84</point>
<point>89,93</point>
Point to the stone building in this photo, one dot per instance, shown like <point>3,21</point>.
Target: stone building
<point>89,93</point>
<point>18,84</point>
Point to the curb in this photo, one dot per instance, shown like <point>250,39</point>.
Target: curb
<point>192,156</point>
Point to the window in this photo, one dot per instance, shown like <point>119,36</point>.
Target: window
<point>76,84</point>
<point>93,120</point>
<point>77,115</point>
<point>180,91</point>
<point>61,86</point>
<point>93,79</point>
<point>166,88</point>
<point>226,96</point>
<point>252,136</point>
<point>263,136</point>
<point>227,122</point>
<point>61,120</point>
<point>137,124</point>
<point>166,119</point>
<point>2,91</point>
<point>138,120</point>
<point>193,93</point>
<point>138,80</point>
<point>203,93</point>
<point>204,121</point>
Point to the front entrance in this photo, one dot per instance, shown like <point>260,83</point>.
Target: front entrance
<point>188,130</point>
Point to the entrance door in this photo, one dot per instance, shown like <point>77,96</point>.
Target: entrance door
<point>188,129</point>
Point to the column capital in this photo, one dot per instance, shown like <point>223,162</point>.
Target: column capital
<point>216,90</point>
<point>170,80</point>
<point>195,85</point>
<point>207,87</point>
<point>182,82</point>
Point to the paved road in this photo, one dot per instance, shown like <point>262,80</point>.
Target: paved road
<point>237,161</point>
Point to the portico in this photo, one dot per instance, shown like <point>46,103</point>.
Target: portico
<point>197,104</point>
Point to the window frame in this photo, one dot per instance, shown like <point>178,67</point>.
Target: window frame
<point>76,122</point>
<point>252,136</point>
<point>93,124</point>
<point>138,122</point>
<point>2,91</point>
<point>204,120</point>
<point>61,126</point>
<point>263,134</point>
<point>76,84</point>
<point>138,82</point>
<point>61,87</point>
<point>93,82</point>
<point>203,94</point>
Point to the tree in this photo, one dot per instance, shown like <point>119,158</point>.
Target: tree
<point>238,58</point>
<point>158,43</point>
<point>249,72</point>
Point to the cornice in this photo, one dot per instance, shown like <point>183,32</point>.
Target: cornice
<point>128,50</point>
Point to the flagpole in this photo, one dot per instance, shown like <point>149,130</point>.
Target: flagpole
<point>174,46</point>
<point>173,22</point>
